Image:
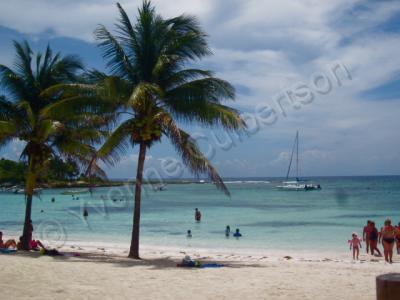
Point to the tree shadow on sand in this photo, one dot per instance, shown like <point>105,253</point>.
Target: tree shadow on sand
<point>166,262</point>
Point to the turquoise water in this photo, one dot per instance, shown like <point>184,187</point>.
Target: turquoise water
<point>268,218</point>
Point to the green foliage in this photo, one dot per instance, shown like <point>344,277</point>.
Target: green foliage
<point>62,170</point>
<point>55,170</point>
<point>12,172</point>
<point>149,58</point>
<point>49,110</point>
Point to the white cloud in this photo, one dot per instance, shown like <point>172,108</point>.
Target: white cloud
<point>264,47</point>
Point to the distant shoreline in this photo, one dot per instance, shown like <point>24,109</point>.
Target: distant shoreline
<point>82,184</point>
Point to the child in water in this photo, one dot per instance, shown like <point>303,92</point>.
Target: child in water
<point>355,243</point>
<point>237,233</point>
<point>189,234</point>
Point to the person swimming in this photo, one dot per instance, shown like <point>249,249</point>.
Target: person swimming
<point>227,231</point>
<point>237,233</point>
<point>189,234</point>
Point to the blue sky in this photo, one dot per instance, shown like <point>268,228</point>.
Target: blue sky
<point>266,49</point>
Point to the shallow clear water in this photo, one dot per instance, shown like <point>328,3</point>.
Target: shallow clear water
<point>268,218</point>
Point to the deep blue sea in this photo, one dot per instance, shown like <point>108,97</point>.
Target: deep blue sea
<point>267,217</point>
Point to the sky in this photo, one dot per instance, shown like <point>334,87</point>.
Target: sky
<point>329,69</point>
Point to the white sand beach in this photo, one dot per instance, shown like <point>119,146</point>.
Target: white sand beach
<point>108,274</point>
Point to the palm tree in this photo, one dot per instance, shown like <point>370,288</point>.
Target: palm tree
<point>45,111</point>
<point>154,89</point>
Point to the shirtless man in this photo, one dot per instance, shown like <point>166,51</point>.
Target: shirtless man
<point>366,235</point>
<point>7,244</point>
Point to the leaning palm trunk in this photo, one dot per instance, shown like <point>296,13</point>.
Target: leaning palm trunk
<point>151,82</point>
<point>134,249</point>
<point>47,110</point>
<point>29,187</point>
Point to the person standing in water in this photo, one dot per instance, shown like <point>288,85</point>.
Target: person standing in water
<point>237,234</point>
<point>366,235</point>
<point>387,236</point>
<point>355,244</point>
<point>197,215</point>
<point>85,213</point>
<point>227,231</point>
<point>189,234</point>
<point>373,239</point>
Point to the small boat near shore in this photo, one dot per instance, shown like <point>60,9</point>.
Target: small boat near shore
<point>19,190</point>
<point>75,192</point>
<point>297,184</point>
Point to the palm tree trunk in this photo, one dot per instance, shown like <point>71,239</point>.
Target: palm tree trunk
<point>134,250</point>
<point>29,187</point>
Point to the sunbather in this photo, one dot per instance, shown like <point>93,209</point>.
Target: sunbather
<point>8,244</point>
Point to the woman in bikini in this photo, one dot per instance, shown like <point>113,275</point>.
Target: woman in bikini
<point>6,244</point>
<point>388,238</point>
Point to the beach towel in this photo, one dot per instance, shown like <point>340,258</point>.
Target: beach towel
<point>7,251</point>
<point>211,266</point>
<point>198,264</point>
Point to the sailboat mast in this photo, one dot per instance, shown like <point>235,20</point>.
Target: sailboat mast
<point>297,155</point>
<point>291,157</point>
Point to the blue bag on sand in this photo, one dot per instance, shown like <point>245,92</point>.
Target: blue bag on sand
<point>6,251</point>
<point>211,266</point>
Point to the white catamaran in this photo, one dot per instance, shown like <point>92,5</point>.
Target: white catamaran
<point>298,184</point>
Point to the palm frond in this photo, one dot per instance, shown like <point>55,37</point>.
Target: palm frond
<point>23,61</point>
<point>191,155</point>
<point>8,111</point>
<point>116,144</point>
<point>7,129</point>
<point>26,107</point>
<point>93,169</point>
<point>65,69</point>
<point>206,89</point>
<point>117,60</point>
<point>76,105</point>
<point>13,83</point>
<point>187,40</point>
<point>144,92</point>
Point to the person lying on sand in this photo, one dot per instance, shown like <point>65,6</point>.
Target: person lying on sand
<point>8,244</point>
<point>35,245</point>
